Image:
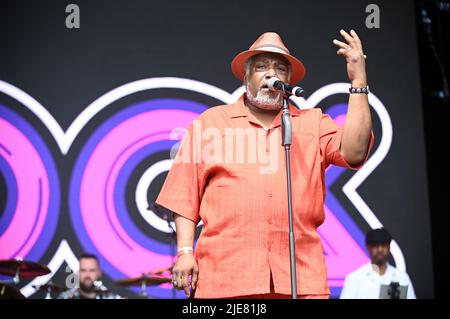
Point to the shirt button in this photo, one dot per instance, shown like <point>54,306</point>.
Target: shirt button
<point>269,194</point>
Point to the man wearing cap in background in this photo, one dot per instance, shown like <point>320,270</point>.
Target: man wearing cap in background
<point>243,249</point>
<point>365,282</point>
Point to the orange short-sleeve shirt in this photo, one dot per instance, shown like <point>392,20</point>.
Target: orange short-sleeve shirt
<point>238,189</point>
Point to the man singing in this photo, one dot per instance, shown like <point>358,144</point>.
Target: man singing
<point>230,173</point>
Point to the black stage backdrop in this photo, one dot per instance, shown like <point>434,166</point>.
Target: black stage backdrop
<point>83,113</point>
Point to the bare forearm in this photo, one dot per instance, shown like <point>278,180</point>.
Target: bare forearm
<point>357,128</point>
<point>185,231</point>
<point>358,124</point>
<point>186,264</point>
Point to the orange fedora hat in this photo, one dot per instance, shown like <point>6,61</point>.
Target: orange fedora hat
<point>269,42</point>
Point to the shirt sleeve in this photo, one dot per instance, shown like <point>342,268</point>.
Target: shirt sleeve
<point>180,192</point>
<point>330,143</point>
<point>348,290</point>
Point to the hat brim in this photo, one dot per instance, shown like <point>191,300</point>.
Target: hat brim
<point>238,64</point>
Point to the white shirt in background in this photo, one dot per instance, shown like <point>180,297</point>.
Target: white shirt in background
<point>365,283</point>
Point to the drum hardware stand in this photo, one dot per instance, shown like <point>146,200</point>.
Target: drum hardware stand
<point>143,288</point>
<point>173,242</point>
<point>15,280</point>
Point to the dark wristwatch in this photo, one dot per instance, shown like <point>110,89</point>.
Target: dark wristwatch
<point>359,90</point>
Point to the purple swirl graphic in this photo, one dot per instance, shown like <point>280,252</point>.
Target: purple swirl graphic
<point>96,195</point>
<point>33,195</point>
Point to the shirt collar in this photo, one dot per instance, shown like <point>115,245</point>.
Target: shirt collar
<point>370,270</point>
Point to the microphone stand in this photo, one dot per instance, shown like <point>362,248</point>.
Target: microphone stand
<point>286,131</point>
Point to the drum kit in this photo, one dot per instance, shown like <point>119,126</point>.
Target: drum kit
<point>20,269</point>
<point>147,279</point>
<point>48,288</point>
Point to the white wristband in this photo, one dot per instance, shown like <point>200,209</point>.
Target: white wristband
<point>185,250</point>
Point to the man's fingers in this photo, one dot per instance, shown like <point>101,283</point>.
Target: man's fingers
<point>187,292</point>
<point>347,37</point>
<point>354,35</point>
<point>185,284</point>
<point>354,43</point>
<point>342,52</point>
<point>356,39</point>
<point>341,44</point>
<point>176,280</point>
<point>345,51</point>
<point>194,278</point>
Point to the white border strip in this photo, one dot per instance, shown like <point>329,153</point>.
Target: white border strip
<point>65,139</point>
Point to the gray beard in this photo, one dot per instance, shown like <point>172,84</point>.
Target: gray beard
<point>264,101</point>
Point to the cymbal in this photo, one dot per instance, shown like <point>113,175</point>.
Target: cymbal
<point>10,292</point>
<point>50,286</point>
<point>27,269</point>
<point>148,280</point>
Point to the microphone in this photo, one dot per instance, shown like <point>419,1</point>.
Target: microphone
<point>275,84</point>
<point>100,289</point>
<point>98,284</point>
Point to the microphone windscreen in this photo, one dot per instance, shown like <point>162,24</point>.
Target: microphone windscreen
<point>272,81</point>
